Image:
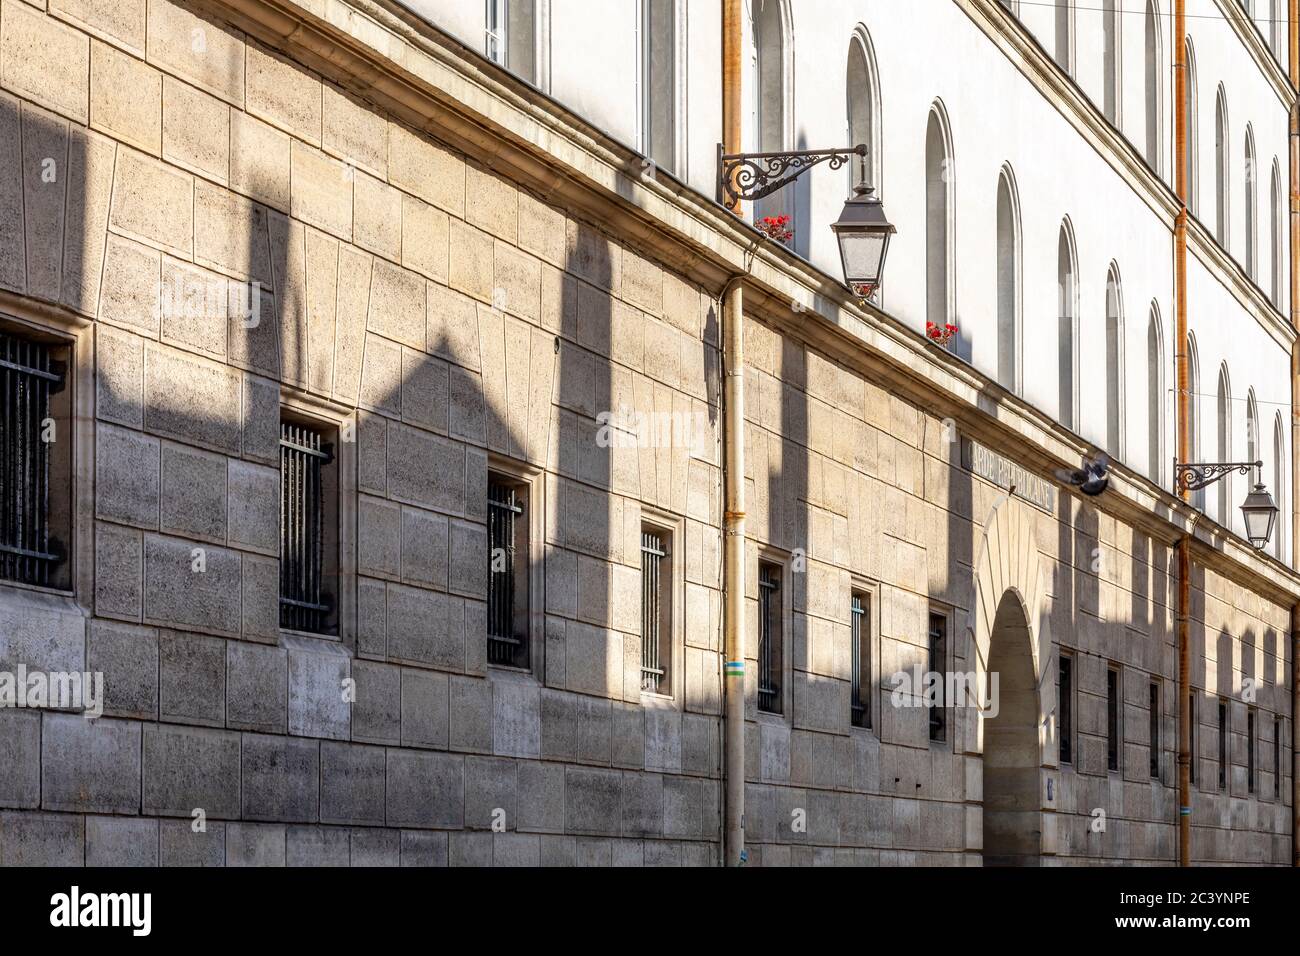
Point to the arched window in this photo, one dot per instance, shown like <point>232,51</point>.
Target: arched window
<point>1193,127</point>
<point>770,71</point>
<point>1251,265</point>
<point>863,94</point>
<point>1114,363</point>
<point>1279,488</point>
<point>1223,442</point>
<point>1252,443</point>
<point>1067,284</point>
<point>1065,35</point>
<point>1275,236</point>
<point>938,218</point>
<point>1152,84</point>
<point>1221,168</point>
<point>1194,413</point>
<point>1008,278</point>
<point>1155,397</point>
<point>1275,31</point>
<point>1110,60</point>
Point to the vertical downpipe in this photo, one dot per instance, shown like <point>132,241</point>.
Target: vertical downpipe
<point>1182,439</point>
<point>733,466</point>
<point>1293,71</point>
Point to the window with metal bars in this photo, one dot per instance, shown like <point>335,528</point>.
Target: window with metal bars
<point>1065,706</point>
<point>35,477</point>
<point>656,611</point>
<point>1191,738</point>
<point>1112,718</point>
<point>1223,745</point>
<point>308,529</point>
<point>770,646</point>
<point>1153,727</point>
<point>860,637</point>
<point>938,665</point>
<point>1250,751</point>
<point>508,609</point>
<point>1277,757</point>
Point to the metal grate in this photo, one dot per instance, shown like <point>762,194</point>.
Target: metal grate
<point>1250,751</point>
<point>769,639</point>
<point>304,453</point>
<point>507,621</point>
<point>652,663</point>
<point>1153,727</point>
<point>1223,745</point>
<point>1112,719</point>
<point>1277,756</point>
<point>1191,737</point>
<point>1065,691</point>
<point>861,650</point>
<point>28,377</point>
<point>939,666</point>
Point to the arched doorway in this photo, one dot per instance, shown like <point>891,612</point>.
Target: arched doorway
<point>1012,819</point>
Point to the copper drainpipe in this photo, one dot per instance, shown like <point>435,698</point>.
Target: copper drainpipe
<point>733,475</point>
<point>1293,71</point>
<point>1182,438</point>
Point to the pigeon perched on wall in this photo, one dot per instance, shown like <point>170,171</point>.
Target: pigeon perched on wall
<point>1092,478</point>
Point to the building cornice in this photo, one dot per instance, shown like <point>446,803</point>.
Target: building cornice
<point>406,66</point>
<point>1240,286</point>
<point>1257,47</point>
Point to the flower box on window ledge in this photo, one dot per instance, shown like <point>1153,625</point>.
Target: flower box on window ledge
<point>775,227</point>
<point>940,334</point>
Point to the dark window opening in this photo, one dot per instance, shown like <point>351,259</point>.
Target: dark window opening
<point>308,528</point>
<point>1250,751</point>
<point>508,607</point>
<point>770,649</point>
<point>1223,745</point>
<point>859,696</point>
<point>1277,757</point>
<point>938,669</point>
<point>1191,737</point>
<point>1065,705</point>
<point>1112,719</point>
<point>1153,729</point>
<point>656,612</point>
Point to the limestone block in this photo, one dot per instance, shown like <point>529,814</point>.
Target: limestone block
<point>90,182</point>
<point>280,778</point>
<point>322,295</point>
<point>425,470</point>
<point>427,170</point>
<point>126,477</point>
<point>45,152</point>
<point>469,546</point>
<point>517,282</point>
<point>130,293</point>
<point>116,21</point>
<point>377,208</point>
<point>153,202</point>
<point>352,784</point>
<point>372,619</point>
<point>541,797</point>
<point>128,659</point>
<point>466,419</point>
<point>491,203</point>
<point>425,712</point>
<point>261,615</point>
<point>260,404</point>
<point>195,48</point>
<point>542,230</point>
<point>423,849</point>
<point>376,847</point>
<point>490,792</point>
<point>90,766</point>
<point>592,800</point>
<point>254,507</point>
<point>41,839</point>
<point>426,238</point>
<point>45,61</point>
<point>194,497</point>
<point>517,719</point>
<point>125,98</point>
<point>230,234</point>
<point>193,308</point>
<point>192,679</point>
<point>180,845</point>
<point>13,241</point>
<point>424,548</point>
<point>381,375</point>
<point>121,841</point>
<point>379,525</point>
<point>317,705</point>
<point>424,789</point>
<point>471,714</point>
<point>119,555</point>
<point>629,727</point>
<point>425,391</point>
<point>425,627</point>
<point>256,687</point>
<point>283,93</point>
<point>255,844</point>
<point>316,846</point>
<point>591,255</point>
<point>259,161</point>
<point>354,131</point>
<point>206,412</point>
<point>452,330</point>
<point>351,308</point>
<point>253,332</point>
<point>397,305</point>
<point>643,282</point>
<point>20,758</point>
<point>195,131</point>
<point>471,265</point>
<point>178,593</point>
<point>594,660</point>
<point>377,710</point>
<point>321,190</point>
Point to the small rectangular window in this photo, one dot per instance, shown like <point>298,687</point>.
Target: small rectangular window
<point>494,32</point>
<point>1153,729</point>
<point>1065,705</point>
<point>659,81</point>
<point>1277,757</point>
<point>1191,737</point>
<point>35,462</point>
<point>1250,751</point>
<point>860,637</point>
<point>308,527</point>
<point>508,572</point>
<point>1223,744</point>
<point>1112,718</point>
<point>656,611</point>
<point>521,39</point>
<point>938,667</point>
<point>770,649</point>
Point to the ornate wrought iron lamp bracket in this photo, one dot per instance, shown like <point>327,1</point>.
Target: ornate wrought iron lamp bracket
<point>755,175</point>
<point>1193,476</point>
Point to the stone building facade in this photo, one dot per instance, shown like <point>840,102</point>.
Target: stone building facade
<point>229,216</point>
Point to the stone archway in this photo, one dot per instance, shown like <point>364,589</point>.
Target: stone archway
<point>1012,763</point>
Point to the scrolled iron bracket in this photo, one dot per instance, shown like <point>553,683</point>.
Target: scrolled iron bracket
<point>755,175</point>
<point>1193,476</point>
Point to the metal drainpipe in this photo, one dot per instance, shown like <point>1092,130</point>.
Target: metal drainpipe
<point>1182,438</point>
<point>733,468</point>
<point>1293,72</point>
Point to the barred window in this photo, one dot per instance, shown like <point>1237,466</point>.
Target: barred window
<point>770,645</point>
<point>308,528</point>
<point>1277,757</point>
<point>35,462</point>
<point>656,611</point>
<point>1191,737</point>
<point>1223,744</point>
<point>1153,727</point>
<point>1112,718</point>
<point>1250,751</point>
<point>860,688</point>
<point>938,665</point>
<point>508,607</point>
<point>1065,707</point>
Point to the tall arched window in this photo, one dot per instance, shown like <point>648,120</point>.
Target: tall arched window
<point>1114,363</point>
<point>1155,397</point>
<point>938,218</point>
<point>1251,265</point>
<point>1067,284</point>
<point>1194,413</point>
<point>1221,168</point>
<point>1193,127</point>
<point>1275,236</point>
<point>1008,279</point>
<point>1151,84</point>
<point>1065,35</point>
<point>1110,60</point>
<point>770,71</point>
<point>1279,488</point>
<point>1222,441</point>
<point>1275,21</point>
<point>863,94</point>
<point>1252,436</point>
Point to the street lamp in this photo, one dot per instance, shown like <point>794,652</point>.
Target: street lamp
<point>862,230</point>
<point>1259,509</point>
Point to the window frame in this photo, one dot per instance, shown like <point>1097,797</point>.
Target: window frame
<point>943,721</point>
<point>1225,752</point>
<point>867,688</point>
<point>645,88</point>
<point>1252,764</point>
<point>1155,707</point>
<point>1114,718</point>
<point>674,642</point>
<point>532,479</point>
<point>1065,708</point>
<point>783,620</point>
